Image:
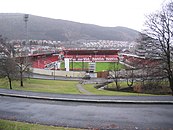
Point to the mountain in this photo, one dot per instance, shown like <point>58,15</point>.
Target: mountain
<point>12,26</point>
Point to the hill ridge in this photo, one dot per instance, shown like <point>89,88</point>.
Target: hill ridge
<point>12,26</point>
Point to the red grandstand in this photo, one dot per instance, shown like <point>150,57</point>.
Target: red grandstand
<point>43,60</point>
<point>138,61</point>
<point>92,55</point>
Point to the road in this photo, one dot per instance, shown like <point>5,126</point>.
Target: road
<point>92,80</point>
<point>88,115</point>
<point>39,76</point>
<point>50,77</point>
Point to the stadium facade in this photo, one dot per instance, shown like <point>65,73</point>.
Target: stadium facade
<point>91,55</point>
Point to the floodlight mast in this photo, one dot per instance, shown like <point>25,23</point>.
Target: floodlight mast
<point>26,16</point>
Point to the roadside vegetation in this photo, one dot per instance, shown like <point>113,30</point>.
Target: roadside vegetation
<point>38,85</point>
<point>69,87</point>
<point>95,91</point>
<point>14,125</point>
<point>110,88</point>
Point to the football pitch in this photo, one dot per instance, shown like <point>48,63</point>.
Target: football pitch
<point>100,66</point>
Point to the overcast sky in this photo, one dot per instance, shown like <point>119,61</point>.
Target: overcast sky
<point>111,13</point>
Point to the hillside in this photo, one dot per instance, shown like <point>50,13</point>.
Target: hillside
<point>12,26</point>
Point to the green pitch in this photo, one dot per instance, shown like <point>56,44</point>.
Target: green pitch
<point>100,66</point>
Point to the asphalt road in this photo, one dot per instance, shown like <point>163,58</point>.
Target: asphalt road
<point>50,77</point>
<point>88,115</point>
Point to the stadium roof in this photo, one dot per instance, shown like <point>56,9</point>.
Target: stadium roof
<point>91,52</point>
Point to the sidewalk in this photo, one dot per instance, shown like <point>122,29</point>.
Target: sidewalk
<point>89,98</point>
<point>82,90</point>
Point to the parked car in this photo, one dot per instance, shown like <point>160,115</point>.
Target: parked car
<point>87,76</point>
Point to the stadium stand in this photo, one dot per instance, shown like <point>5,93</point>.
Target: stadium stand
<point>92,55</point>
<point>42,62</point>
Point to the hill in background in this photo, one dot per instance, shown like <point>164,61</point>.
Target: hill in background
<point>12,26</point>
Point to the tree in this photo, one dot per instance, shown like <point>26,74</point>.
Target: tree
<point>130,77</point>
<point>8,68</point>
<point>6,48</point>
<point>159,26</point>
<point>8,51</point>
<point>23,64</point>
<point>114,73</point>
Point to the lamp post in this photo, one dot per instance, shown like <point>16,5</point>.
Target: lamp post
<point>54,71</point>
<point>82,64</point>
<point>72,63</point>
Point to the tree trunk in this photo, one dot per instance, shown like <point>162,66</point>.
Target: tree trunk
<point>9,79</point>
<point>21,79</point>
<point>117,85</point>
<point>171,85</point>
<point>21,83</point>
<point>130,83</point>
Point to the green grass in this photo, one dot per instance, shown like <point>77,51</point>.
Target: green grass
<point>122,84</point>
<point>90,88</point>
<point>100,66</point>
<point>38,85</point>
<point>76,65</point>
<point>61,87</point>
<point>13,125</point>
<point>103,66</point>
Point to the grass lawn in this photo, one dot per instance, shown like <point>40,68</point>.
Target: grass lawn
<point>38,85</point>
<point>122,84</point>
<point>13,125</point>
<point>76,65</point>
<point>101,66</point>
<point>90,88</point>
<point>63,87</point>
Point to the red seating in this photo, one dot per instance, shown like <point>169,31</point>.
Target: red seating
<point>43,61</point>
<point>134,61</point>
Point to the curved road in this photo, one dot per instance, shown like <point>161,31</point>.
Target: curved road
<point>87,115</point>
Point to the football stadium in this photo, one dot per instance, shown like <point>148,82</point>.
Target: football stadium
<point>88,61</point>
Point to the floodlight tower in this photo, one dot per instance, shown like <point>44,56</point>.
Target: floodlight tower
<point>26,16</point>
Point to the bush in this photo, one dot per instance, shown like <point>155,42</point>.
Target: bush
<point>152,87</point>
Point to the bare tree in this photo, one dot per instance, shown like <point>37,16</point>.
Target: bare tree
<point>130,77</point>
<point>114,73</point>
<point>6,48</point>
<point>23,64</point>
<point>8,68</point>
<point>8,51</point>
<point>159,26</point>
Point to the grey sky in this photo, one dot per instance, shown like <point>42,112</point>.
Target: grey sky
<point>111,13</point>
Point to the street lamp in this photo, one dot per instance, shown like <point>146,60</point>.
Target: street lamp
<point>54,71</point>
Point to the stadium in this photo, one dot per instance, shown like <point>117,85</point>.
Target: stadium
<point>76,60</point>
<point>91,55</point>
<point>87,61</point>
<point>42,60</point>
